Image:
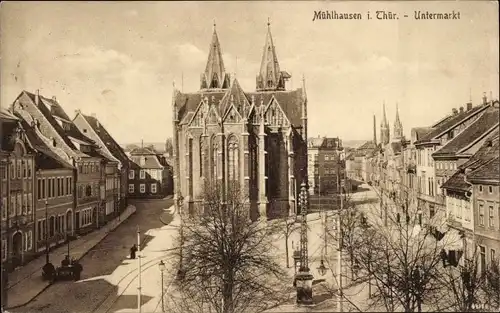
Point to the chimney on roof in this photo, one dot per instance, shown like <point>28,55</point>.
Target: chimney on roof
<point>37,96</point>
<point>77,111</point>
<point>54,98</point>
<point>469,106</point>
<point>454,111</point>
<point>485,99</point>
<point>461,109</point>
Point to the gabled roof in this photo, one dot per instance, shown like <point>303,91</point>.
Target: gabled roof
<point>6,115</point>
<point>474,132</point>
<point>115,149</point>
<point>450,123</point>
<point>488,171</point>
<point>151,161</point>
<point>143,151</point>
<point>236,96</point>
<point>45,159</point>
<point>315,142</point>
<point>488,151</point>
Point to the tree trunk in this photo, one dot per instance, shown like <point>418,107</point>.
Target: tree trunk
<point>286,251</point>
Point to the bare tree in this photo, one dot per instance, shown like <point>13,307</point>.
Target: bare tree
<point>227,259</point>
<point>286,228</point>
<point>491,285</point>
<point>401,258</point>
<point>464,285</point>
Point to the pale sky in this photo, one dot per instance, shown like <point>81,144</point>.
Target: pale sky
<point>119,59</point>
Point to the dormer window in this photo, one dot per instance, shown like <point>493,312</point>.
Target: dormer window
<point>84,130</point>
<point>54,142</point>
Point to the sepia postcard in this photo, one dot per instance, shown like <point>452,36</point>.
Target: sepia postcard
<point>249,156</point>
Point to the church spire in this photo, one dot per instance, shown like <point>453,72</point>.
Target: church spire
<point>384,128</point>
<point>398,126</point>
<point>215,76</point>
<point>270,76</point>
<point>384,117</point>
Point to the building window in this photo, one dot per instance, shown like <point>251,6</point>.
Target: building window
<point>4,208</point>
<point>481,215</point>
<point>4,249</point>
<point>142,174</point>
<point>131,174</point>
<point>490,189</point>
<point>153,188</point>
<point>492,256</point>
<point>201,154</point>
<point>214,158</point>
<point>492,217</point>
<point>142,188</point>
<point>130,188</point>
<point>86,217</point>
<point>480,188</point>
<point>233,160</point>
<point>482,258</point>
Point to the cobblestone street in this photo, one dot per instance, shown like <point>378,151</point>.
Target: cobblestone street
<point>96,284</point>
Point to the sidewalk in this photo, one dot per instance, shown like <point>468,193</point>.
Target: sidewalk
<point>26,283</point>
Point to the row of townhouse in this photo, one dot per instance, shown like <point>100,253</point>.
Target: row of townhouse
<point>450,170</point>
<point>61,178</point>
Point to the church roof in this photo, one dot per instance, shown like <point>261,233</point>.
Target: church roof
<point>290,101</point>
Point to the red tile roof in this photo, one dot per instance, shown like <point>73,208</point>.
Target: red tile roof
<point>475,131</point>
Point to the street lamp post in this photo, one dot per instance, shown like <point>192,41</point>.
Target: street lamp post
<point>303,279</point>
<point>180,272</point>
<point>161,265</point>
<point>47,246</point>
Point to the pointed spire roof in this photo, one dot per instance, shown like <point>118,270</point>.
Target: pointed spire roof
<point>270,76</point>
<point>384,117</point>
<point>397,121</point>
<point>215,72</point>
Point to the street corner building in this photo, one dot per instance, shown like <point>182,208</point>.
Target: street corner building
<point>257,140</point>
<point>150,174</point>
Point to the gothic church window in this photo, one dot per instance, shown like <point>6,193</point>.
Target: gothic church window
<point>233,150</point>
<point>201,154</point>
<point>214,157</point>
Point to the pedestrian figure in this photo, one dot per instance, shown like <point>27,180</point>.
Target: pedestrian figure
<point>133,250</point>
<point>65,261</point>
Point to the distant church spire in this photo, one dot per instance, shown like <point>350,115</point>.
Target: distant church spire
<point>398,126</point>
<point>384,128</point>
<point>270,76</point>
<point>215,76</point>
<point>374,130</point>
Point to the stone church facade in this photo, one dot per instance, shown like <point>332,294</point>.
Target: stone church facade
<point>257,140</point>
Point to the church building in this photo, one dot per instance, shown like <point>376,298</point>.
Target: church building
<point>257,140</point>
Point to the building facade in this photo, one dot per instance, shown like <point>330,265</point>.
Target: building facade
<point>325,164</point>
<point>17,193</point>
<point>150,176</point>
<point>256,140</point>
<point>116,166</point>
<point>433,139</point>
<point>55,129</point>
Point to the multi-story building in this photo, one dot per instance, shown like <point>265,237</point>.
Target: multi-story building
<point>325,164</point>
<point>53,126</point>
<point>17,193</point>
<point>432,139</point>
<point>149,174</point>
<point>472,201</point>
<point>115,170</point>
<point>485,181</point>
<point>257,140</point>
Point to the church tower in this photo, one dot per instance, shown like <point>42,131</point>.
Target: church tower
<point>270,76</point>
<point>374,130</point>
<point>398,126</point>
<point>215,76</point>
<point>384,129</point>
